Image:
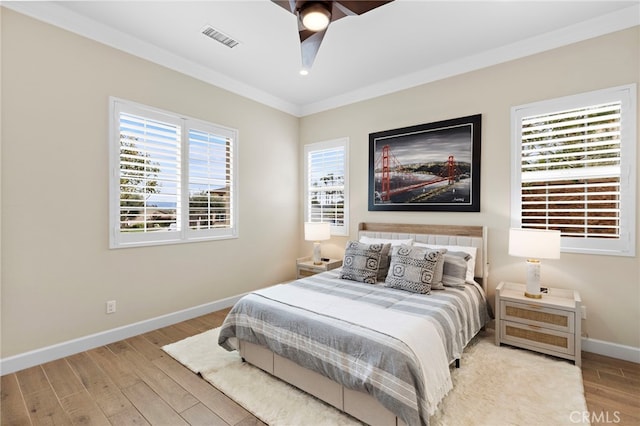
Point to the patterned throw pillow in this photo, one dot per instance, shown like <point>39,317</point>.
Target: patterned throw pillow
<point>362,261</point>
<point>386,257</point>
<point>437,282</point>
<point>414,268</point>
<point>471,260</point>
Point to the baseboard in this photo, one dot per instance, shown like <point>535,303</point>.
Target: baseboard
<point>613,350</point>
<point>50,353</point>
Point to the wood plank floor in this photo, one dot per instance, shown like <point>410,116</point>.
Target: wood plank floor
<point>133,382</point>
<point>612,390</point>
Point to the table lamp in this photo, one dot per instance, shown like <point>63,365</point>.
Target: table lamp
<point>534,244</point>
<point>316,232</point>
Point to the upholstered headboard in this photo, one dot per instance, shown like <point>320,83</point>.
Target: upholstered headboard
<point>456,235</point>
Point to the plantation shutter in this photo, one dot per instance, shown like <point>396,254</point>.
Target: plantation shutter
<point>571,171</point>
<point>326,178</point>
<point>149,173</point>
<point>210,186</point>
<point>574,161</point>
<point>172,178</point>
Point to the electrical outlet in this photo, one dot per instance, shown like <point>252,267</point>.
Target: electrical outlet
<point>111,306</point>
<point>584,312</point>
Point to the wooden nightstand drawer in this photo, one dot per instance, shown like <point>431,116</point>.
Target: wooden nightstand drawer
<point>549,325</point>
<point>534,314</point>
<point>306,268</point>
<point>303,272</point>
<point>536,338</point>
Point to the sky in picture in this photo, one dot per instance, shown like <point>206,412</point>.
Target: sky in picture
<point>430,146</point>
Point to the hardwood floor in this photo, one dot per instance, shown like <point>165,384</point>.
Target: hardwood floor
<point>133,382</point>
<point>612,390</point>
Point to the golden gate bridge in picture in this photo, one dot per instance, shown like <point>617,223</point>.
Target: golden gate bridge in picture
<point>436,182</point>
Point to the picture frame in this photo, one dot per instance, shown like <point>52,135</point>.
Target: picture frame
<point>427,167</point>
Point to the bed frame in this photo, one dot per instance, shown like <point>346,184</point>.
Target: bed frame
<point>358,404</point>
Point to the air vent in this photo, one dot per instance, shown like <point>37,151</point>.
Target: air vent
<point>219,36</point>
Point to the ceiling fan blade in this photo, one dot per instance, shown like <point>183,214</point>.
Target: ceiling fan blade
<point>310,41</point>
<point>339,8</point>
<point>309,46</point>
<point>289,5</point>
<point>350,8</point>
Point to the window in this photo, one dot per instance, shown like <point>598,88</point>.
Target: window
<point>326,184</point>
<point>574,169</point>
<point>172,178</point>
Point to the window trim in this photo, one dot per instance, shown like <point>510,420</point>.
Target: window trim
<point>319,146</point>
<point>119,239</point>
<point>626,94</point>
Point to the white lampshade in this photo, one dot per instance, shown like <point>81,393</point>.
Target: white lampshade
<point>317,231</point>
<point>534,244</point>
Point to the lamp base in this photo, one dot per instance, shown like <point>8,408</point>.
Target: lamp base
<point>533,296</point>
<point>317,259</point>
<point>532,289</point>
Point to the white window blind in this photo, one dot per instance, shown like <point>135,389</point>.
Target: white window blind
<point>172,178</point>
<point>326,183</point>
<point>573,164</point>
<point>210,183</point>
<point>149,173</point>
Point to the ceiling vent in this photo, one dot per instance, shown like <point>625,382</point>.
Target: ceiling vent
<point>219,36</point>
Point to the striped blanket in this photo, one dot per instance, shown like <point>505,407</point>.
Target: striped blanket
<point>392,344</point>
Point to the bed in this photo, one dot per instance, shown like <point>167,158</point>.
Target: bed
<point>378,353</point>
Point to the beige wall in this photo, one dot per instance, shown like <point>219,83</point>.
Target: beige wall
<point>609,286</point>
<point>57,270</point>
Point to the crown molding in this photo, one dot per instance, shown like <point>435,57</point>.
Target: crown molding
<point>61,17</point>
<point>64,18</point>
<point>609,23</point>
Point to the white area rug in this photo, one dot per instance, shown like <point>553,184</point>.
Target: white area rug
<point>494,386</point>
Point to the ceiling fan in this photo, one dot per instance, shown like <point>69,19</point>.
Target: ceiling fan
<point>315,16</point>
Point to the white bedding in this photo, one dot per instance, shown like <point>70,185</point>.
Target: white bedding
<point>418,333</point>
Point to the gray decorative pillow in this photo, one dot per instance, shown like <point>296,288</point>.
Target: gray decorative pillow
<point>414,268</point>
<point>363,261</point>
<point>455,268</point>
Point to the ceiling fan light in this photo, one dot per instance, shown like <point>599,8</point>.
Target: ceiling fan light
<point>315,16</point>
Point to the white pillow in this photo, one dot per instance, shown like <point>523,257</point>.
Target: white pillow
<point>370,240</point>
<point>471,263</point>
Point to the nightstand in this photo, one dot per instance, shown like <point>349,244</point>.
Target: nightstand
<point>550,325</point>
<point>306,268</point>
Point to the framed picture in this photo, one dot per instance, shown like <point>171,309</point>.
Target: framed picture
<point>428,167</point>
